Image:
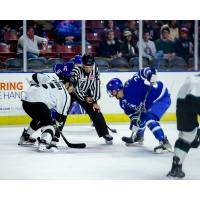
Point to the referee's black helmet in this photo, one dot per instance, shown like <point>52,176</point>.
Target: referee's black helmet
<point>87,60</point>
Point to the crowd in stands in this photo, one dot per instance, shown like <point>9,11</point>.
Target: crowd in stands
<point>49,42</point>
<point>169,41</point>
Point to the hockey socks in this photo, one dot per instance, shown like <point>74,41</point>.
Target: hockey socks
<point>156,130</point>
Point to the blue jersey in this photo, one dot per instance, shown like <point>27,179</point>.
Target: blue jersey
<point>135,90</point>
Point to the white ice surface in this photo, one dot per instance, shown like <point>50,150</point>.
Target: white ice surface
<point>97,161</point>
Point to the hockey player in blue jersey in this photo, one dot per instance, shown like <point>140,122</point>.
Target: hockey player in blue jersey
<point>144,100</point>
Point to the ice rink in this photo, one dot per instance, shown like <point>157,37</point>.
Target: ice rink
<point>96,162</point>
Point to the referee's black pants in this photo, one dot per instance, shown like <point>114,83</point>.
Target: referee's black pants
<point>96,117</point>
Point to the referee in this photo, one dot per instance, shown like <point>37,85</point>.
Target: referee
<point>86,81</point>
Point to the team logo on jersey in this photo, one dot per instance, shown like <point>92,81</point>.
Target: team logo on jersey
<point>126,104</point>
<point>91,77</point>
<point>65,68</point>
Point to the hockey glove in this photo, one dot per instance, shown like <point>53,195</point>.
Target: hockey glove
<point>152,77</point>
<point>136,124</point>
<point>89,99</point>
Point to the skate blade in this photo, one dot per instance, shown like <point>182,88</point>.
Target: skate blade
<point>51,150</point>
<point>160,151</point>
<point>26,144</point>
<point>138,144</point>
<point>174,177</point>
<point>109,142</point>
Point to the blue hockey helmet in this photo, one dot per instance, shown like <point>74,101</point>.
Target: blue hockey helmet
<point>77,59</point>
<point>114,84</point>
<point>63,70</point>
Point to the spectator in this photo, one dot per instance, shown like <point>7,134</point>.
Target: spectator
<point>68,31</point>
<point>132,27</point>
<point>190,26</point>
<point>174,30</point>
<point>153,28</point>
<point>32,45</point>
<point>109,48</point>
<point>165,45</point>
<point>111,25</point>
<point>148,46</point>
<point>128,48</point>
<point>183,46</point>
<point>9,26</point>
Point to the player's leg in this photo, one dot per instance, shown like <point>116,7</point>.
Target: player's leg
<point>98,120</point>
<point>138,138</point>
<point>156,129</point>
<point>187,124</point>
<point>46,139</point>
<point>43,115</point>
<point>26,138</point>
<point>155,112</point>
<point>40,114</point>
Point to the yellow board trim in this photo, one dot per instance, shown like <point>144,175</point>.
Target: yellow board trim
<point>78,119</point>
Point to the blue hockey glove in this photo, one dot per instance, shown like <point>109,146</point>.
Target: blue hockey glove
<point>152,77</point>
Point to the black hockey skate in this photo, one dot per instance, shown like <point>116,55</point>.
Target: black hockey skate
<point>176,170</point>
<point>108,139</point>
<point>164,146</point>
<point>135,140</point>
<point>26,139</point>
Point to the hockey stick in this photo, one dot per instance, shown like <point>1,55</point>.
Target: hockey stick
<point>129,140</point>
<point>111,129</point>
<point>72,145</point>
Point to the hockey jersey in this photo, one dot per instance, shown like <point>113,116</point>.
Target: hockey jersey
<point>86,84</point>
<point>191,86</point>
<point>135,90</point>
<point>52,93</point>
<point>39,78</point>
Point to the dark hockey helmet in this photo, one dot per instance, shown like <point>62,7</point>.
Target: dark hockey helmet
<point>87,60</point>
<point>114,84</point>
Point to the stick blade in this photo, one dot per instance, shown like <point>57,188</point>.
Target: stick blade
<point>77,145</point>
<point>128,140</point>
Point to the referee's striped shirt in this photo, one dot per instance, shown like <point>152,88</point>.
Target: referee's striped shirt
<point>86,84</point>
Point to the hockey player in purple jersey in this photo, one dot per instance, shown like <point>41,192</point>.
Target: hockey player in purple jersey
<point>144,100</point>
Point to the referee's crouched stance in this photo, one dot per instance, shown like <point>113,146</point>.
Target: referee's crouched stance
<point>86,81</point>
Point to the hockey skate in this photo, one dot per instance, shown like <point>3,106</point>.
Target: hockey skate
<point>134,141</point>
<point>43,146</point>
<point>26,139</point>
<point>108,139</point>
<point>53,145</point>
<point>176,170</point>
<point>164,146</point>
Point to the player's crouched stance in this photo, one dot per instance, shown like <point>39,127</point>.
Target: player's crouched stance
<point>187,111</point>
<point>144,100</point>
<point>38,102</point>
